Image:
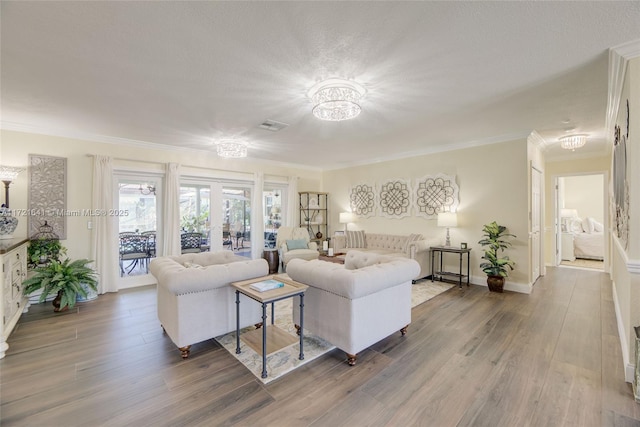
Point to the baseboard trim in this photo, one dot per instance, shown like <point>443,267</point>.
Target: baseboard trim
<point>629,369</point>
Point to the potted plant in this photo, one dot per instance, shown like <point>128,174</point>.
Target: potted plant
<point>496,266</point>
<point>40,251</point>
<point>65,279</point>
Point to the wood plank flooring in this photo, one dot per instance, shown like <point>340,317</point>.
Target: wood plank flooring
<point>471,358</point>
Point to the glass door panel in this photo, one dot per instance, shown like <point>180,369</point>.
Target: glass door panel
<point>137,225</point>
<point>195,203</point>
<point>273,211</point>
<point>236,219</point>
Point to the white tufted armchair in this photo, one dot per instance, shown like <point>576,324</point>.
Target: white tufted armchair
<point>298,246</point>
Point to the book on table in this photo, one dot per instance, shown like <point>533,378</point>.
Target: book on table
<point>266,285</point>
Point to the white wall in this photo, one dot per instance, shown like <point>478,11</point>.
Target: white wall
<point>16,147</point>
<point>493,182</point>
<point>585,193</point>
<point>626,262</point>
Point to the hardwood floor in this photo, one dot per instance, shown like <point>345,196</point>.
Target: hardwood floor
<point>471,358</point>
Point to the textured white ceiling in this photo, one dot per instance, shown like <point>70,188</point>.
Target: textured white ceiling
<point>438,74</point>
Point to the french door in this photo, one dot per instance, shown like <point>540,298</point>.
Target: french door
<point>139,227</point>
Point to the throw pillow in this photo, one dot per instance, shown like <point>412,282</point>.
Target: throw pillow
<point>587,225</point>
<point>576,226</point>
<point>297,244</point>
<point>597,226</point>
<point>356,239</point>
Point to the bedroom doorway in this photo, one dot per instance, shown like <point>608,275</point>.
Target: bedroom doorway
<point>581,218</point>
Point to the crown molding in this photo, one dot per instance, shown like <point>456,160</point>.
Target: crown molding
<point>18,127</point>
<point>619,56</point>
<point>628,50</point>
<point>535,138</point>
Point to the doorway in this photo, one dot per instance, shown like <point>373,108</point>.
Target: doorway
<point>581,217</point>
<point>139,227</point>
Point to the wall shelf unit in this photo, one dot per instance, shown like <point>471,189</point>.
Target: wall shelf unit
<point>314,214</point>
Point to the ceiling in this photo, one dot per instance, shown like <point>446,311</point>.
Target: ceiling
<point>439,75</point>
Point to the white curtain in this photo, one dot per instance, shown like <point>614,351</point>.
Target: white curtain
<point>291,220</point>
<point>257,217</point>
<point>104,239</point>
<point>171,211</point>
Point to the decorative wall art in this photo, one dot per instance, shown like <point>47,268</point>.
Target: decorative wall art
<point>395,198</point>
<point>362,200</point>
<point>435,193</point>
<point>47,194</point>
<point>621,186</point>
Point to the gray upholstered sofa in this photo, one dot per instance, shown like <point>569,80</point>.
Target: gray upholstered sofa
<point>413,246</point>
<point>195,301</point>
<point>356,304</point>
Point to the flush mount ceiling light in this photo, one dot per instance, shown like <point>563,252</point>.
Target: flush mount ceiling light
<point>336,99</point>
<point>231,149</point>
<point>572,142</point>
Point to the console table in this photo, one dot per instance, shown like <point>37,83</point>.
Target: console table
<point>13,302</point>
<point>440,273</point>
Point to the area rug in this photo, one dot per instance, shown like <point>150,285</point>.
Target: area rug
<point>286,359</point>
<point>584,263</point>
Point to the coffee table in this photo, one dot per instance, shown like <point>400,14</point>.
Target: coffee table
<point>338,259</point>
<point>290,289</point>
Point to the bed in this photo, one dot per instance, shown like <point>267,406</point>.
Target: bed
<point>588,239</point>
<point>588,245</point>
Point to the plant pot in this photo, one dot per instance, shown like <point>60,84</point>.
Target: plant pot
<point>495,283</point>
<point>91,294</point>
<point>56,303</point>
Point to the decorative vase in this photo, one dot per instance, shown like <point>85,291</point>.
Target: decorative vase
<point>91,294</point>
<point>495,283</point>
<point>8,223</point>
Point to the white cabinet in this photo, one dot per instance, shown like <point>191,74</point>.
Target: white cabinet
<point>13,257</point>
<point>566,245</point>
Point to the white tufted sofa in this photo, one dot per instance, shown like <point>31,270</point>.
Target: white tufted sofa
<point>195,301</point>
<point>357,304</point>
<point>413,246</point>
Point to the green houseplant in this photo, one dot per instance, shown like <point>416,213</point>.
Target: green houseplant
<point>63,279</point>
<point>40,251</point>
<point>496,266</point>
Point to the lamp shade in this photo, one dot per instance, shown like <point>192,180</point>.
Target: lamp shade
<point>346,217</point>
<point>9,173</point>
<point>447,219</point>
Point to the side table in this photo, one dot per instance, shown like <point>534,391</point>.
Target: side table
<point>439,274</point>
<point>273,259</point>
<point>290,289</point>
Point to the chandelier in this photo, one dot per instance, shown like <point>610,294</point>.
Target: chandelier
<point>231,149</point>
<point>336,99</point>
<point>572,142</point>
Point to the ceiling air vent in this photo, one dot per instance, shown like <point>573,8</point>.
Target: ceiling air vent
<point>273,126</point>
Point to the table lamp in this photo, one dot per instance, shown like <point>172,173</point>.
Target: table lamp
<point>565,214</point>
<point>447,219</point>
<point>346,218</point>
